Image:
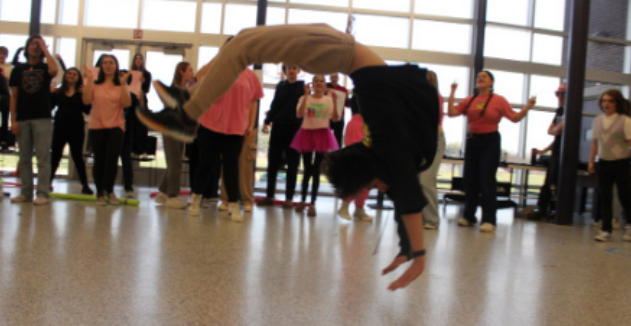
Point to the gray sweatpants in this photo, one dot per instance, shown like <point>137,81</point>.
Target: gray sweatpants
<point>173,150</point>
<point>35,135</point>
<point>317,48</point>
<point>428,179</point>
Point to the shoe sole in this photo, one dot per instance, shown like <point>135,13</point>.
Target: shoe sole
<point>164,95</point>
<point>185,138</point>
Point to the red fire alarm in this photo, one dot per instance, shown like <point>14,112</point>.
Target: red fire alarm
<point>138,34</point>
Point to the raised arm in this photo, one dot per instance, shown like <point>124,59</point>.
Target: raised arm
<point>451,110</point>
<point>50,60</point>
<point>521,114</point>
<point>125,96</point>
<point>87,88</point>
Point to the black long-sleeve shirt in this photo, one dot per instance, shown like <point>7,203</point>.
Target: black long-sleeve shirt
<point>70,109</point>
<point>283,108</point>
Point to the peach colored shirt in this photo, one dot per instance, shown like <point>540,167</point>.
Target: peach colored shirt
<point>107,108</point>
<point>489,122</point>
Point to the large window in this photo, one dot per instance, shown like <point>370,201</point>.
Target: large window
<point>69,12</point>
<point>507,43</point>
<point>238,17</point>
<point>514,12</point>
<point>182,13</point>
<point>390,5</point>
<point>112,13</point>
<point>382,31</point>
<point>432,35</point>
<point>510,85</point>
<point>451,8</point>
<point>211,17</point>
<point>337,20</point>
<point>67,48</point>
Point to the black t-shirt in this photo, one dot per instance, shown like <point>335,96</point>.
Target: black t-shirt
<point>283,108</point>
<point>33,83</point>
<point>70,109</point>
<point>556,146</point>
<point>400,108</point>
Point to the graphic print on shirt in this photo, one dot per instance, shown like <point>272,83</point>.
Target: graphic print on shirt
<point>317,110</point>
<point>480,106</point>
<point>32,80</point>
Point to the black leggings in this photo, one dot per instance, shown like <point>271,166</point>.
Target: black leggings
<point>106,144</point>
<point>209,190</point>
<point>311,169</point>
<point>610,173</point>
<point>74,137</point>
<point>214,149</point>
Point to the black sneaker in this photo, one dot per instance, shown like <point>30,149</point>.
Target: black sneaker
<point>172,123</point>
<point>172,97</point>
<point>87,191</point>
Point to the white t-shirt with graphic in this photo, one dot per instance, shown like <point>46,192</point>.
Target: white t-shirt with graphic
<point>318,113</point>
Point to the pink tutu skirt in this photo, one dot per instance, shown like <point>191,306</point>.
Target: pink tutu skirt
<point>314,140</point>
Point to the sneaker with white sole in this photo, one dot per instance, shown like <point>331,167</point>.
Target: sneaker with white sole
<point>343,211</point>
<point>161,198</point>
<point>21,199</point>
<point>430,227</point>
<point>487,227</point>
<point>40,200</point>
<point>175,203</point>
<point>627,235</point>
<point>361,214</point>
<point>248,207</point>
<point>196,201</point>
<point>113,199</point>
<point>464,222</point>
<point>100,201</point>
<point>234,212</point>
<point>223,206</point>
<point>603,237</point>
<point>129,194</point>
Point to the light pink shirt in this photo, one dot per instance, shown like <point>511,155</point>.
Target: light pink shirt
<point>136,83</point>
<point>318,114</point>
<point>107,108</point>
<point>231,113</point>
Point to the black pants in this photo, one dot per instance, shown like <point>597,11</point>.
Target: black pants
<point>279,144</point>
<point>545,196</point>
<point>4,129</point>
<point>126,150</point>
<point>311,169</point>
<point>139,134</point>
<point>481,160</point>
<point>74,137</point>
<point>338,130</point>
<point>609,173</point>
<point>214,149</point>
<point>106,144</point>
<point>209,190</point>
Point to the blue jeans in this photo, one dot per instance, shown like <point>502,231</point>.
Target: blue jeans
<point>35,135</point>
<point>481,160</point>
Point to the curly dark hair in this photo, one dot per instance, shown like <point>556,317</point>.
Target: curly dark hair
<point>350,169</point>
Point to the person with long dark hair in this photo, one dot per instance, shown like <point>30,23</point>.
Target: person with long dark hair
<point>484,110</point>
<point>108,96</point>
<point>612,137</point>
<point>141,133</point>
<point>315,137</point>
<point>69,126</point>
<point>31,118</point>
<point>174,149</point>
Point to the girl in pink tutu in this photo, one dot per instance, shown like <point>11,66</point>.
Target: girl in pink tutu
<point>314,136</point>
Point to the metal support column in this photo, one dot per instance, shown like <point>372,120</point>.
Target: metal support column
<point>261,17</point>
<point>478,40</point>
<point>579,28</point>
<point>36,14</point>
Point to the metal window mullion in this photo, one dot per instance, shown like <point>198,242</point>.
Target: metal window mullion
<point>223,17</point>
<point>411,33</point>
<point>140,6</point>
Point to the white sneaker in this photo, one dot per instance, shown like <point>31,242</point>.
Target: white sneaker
<point>234,212</point>
<point>175,203</point>
<point>343,212</point>
<point>361,215</point>
<point>487,227</point>
<point>40,200</point>
<point>129,195</point>
<point>464,222</point>
<point>248,207</point>
<point>161,198</point>
<point>430,227</point>
<point>223,206</point>
<point>21,199</point>
<point>597,224</point>
<point>113,199</point>
<point>627,235</point>
<point>196,200</point>
<point>603,237</point>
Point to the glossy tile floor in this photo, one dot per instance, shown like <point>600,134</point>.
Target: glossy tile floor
<point>71,263</point>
